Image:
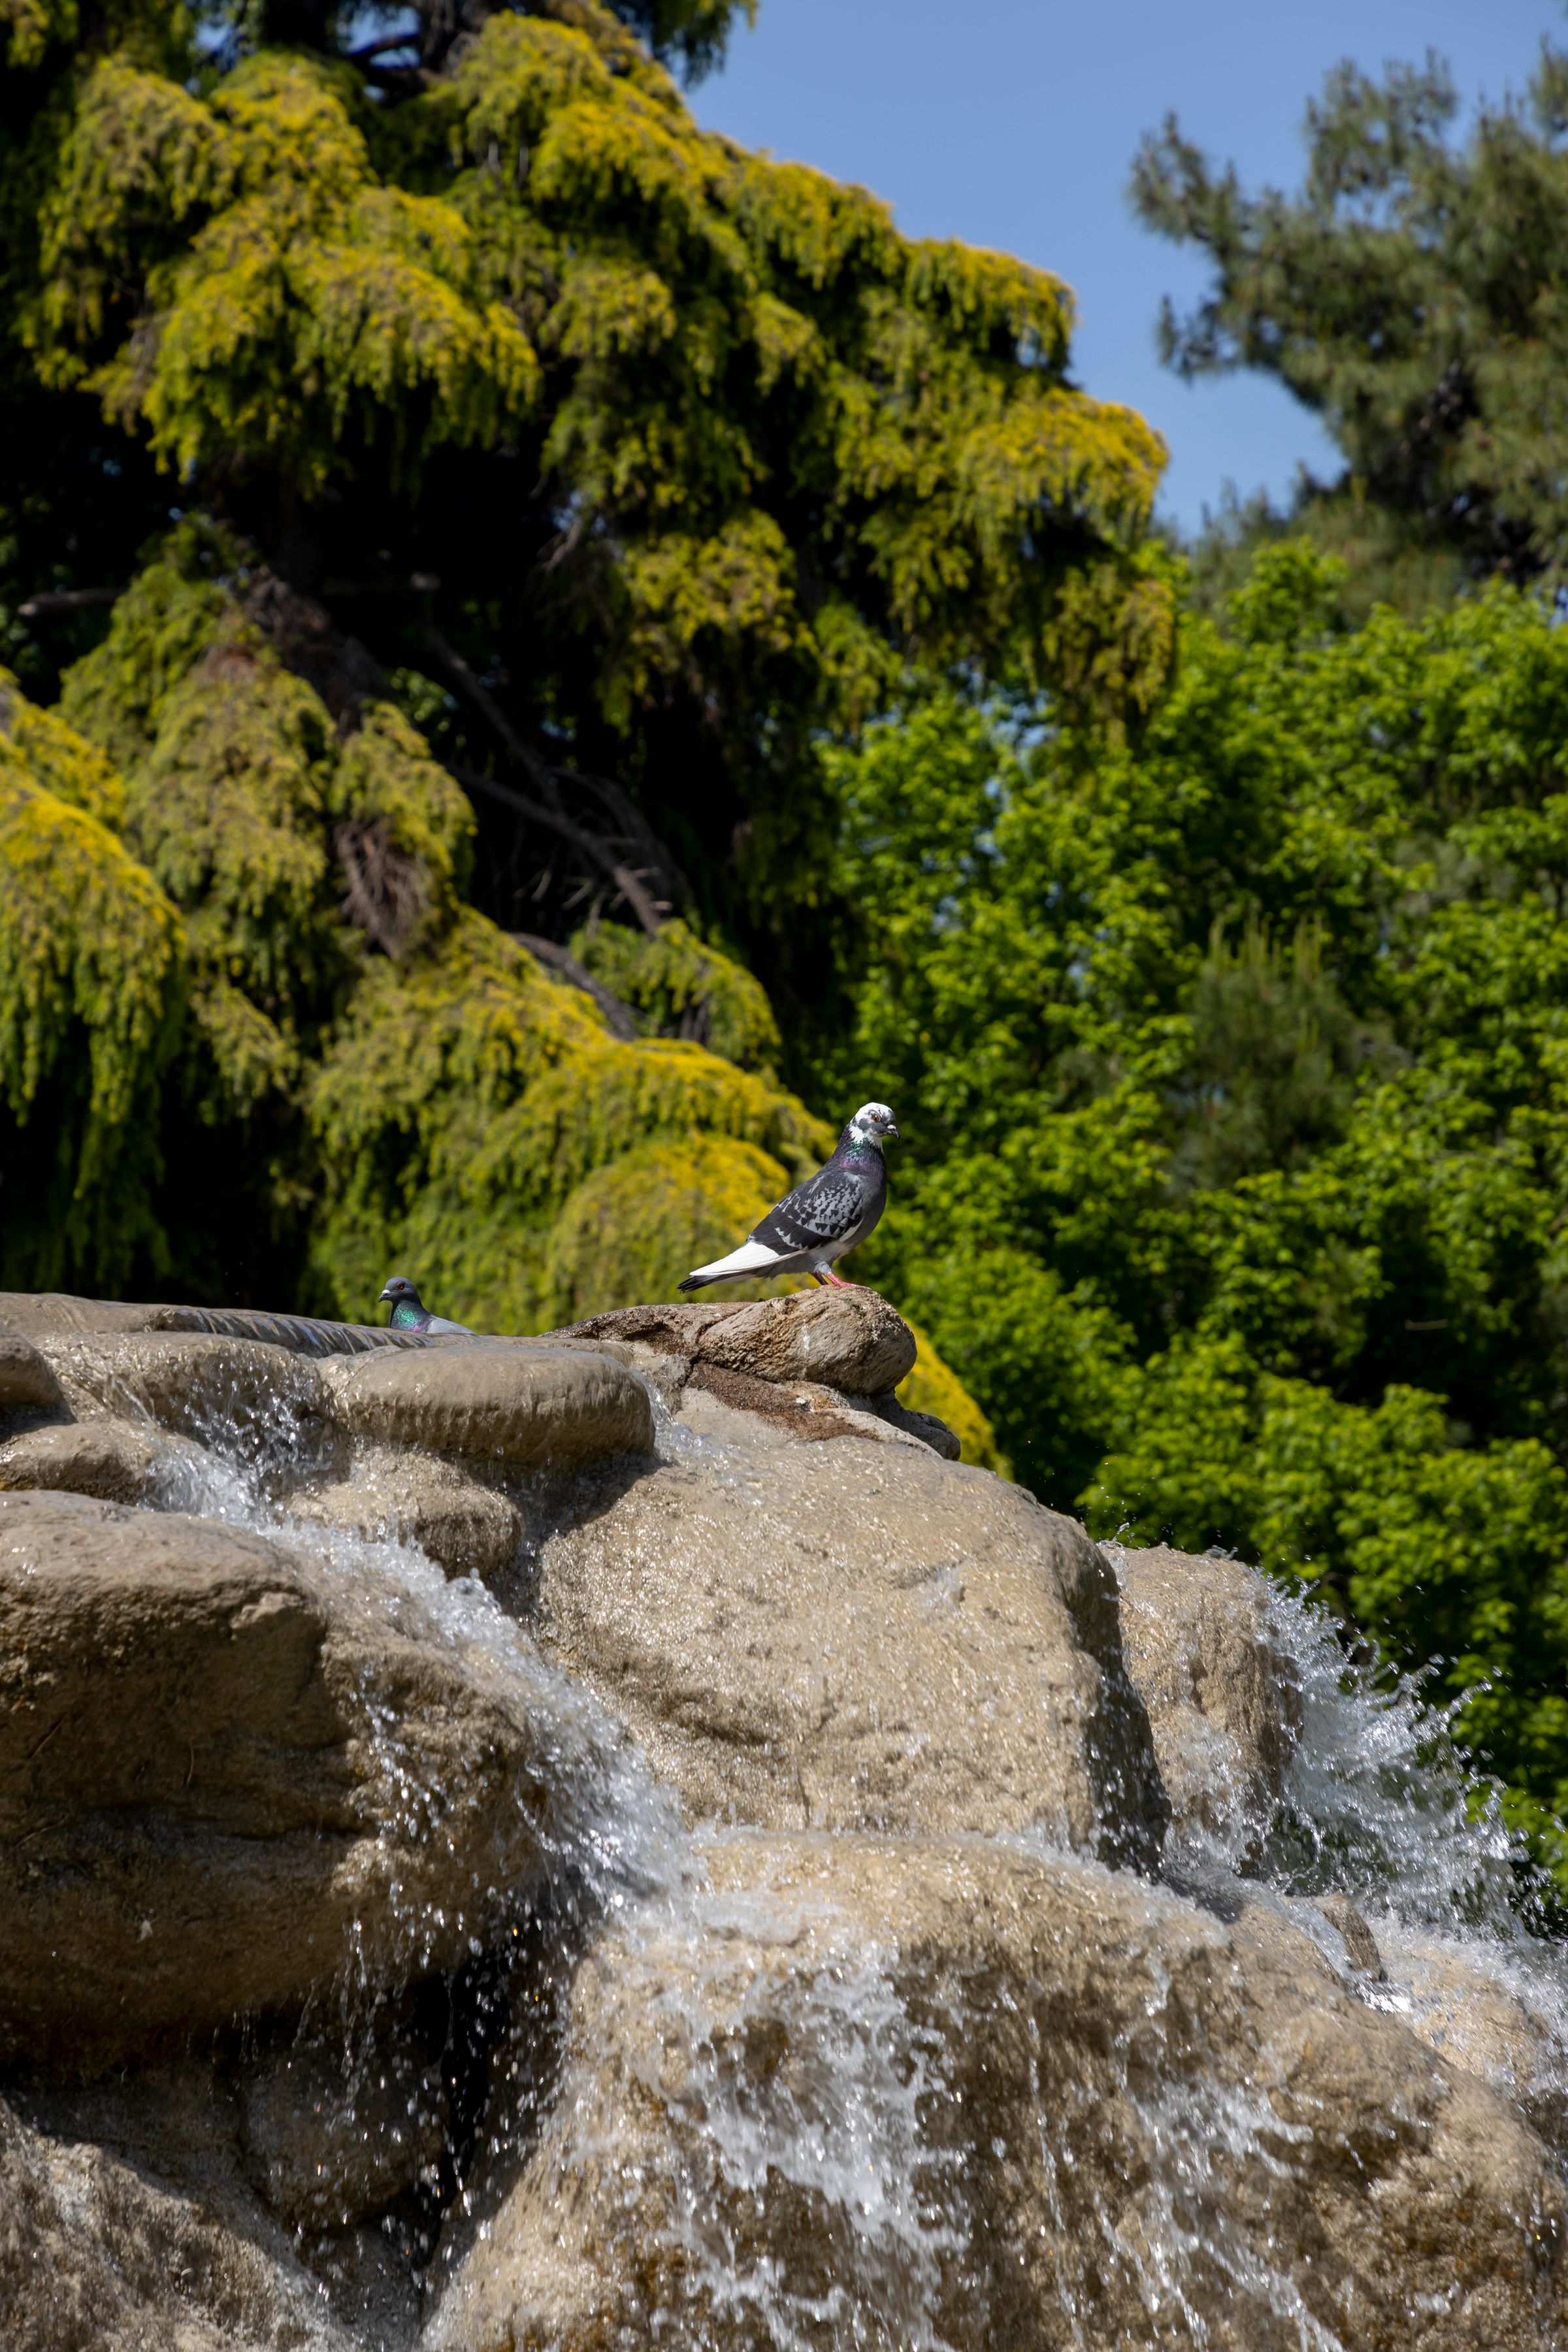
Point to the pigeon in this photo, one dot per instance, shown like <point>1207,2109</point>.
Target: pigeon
<point>822,1218</point>
<point>409,1312</point>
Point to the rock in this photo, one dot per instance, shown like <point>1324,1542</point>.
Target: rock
<point>847,1339</point>
<point>223,1392</point>
<point>511,1405</point>
<point>224,1771</point>
<point>854,1635</point>
<point>38,1312</point>
<point>1221,1695</point>
<point>1360,1943</point>
<point>959,2095</point>
<point>26,1378</point>
<point>469,1529</point>
<point>1491,2020</point>
<point>96,2256</point>
<point>326,2144</point>
<point>109,1458</point>
<point>55,1312</point>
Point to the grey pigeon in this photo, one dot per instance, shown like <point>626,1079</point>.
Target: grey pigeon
<point>822,1218</point>
<point>409,1312</point>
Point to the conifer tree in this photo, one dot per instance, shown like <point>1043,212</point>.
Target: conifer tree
<point>1412,297</point>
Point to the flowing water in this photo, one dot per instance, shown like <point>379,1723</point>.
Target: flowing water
<point>1378,1807</point>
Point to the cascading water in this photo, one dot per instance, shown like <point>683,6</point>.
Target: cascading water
<point>1377,1808</point>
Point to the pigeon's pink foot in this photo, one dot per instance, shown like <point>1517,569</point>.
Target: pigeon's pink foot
<point>837,1281</point>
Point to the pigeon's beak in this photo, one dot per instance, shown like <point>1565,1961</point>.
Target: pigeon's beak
<point>384,1294</point>
<point>891,1131</point>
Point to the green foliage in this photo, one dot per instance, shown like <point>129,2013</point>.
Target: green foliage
<point>1232,1062</point>
<point>679,453</point>
<point>1412,295</point>
<point>682,988</point>
<point>90,977</point>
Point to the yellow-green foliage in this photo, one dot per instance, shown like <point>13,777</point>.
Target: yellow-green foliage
<point>297,292</point>
<point>934,1387</point>
<point>476,1117</point>
<point>634,1227</point>
<point>698,346</point>
<point>91,956</point>
<point>682,988</point>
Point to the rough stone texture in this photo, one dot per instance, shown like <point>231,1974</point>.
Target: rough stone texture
<point>217,1390</point>
<point>1220,1696</point>
<point>26,1378</point>
<point>108,1458</point>
<point>37,1312</point>
<point>471,1528</point>
<point>856,1635</point>
<point>509,1405</point>
<point>326,2146</point>
<point>97,2255</point>
<point>1493,2021</point>
<point>1360,1943</point>
<point>849,1340</point>
<point>53,1312</point>
<point>222,1771</point>
<point>1105,2105</point>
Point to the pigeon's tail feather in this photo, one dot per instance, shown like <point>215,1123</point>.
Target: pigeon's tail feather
<point>752,1257</point>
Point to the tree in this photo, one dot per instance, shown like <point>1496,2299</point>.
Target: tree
<point>1231,1062</point>
<point>1412,297</point>
<point>633,459</point>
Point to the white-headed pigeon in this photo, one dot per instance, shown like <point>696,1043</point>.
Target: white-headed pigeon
<point>409,1312</point>
<point>822,1218</point>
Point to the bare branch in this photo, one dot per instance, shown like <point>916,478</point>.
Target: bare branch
<point>629,885</point>
<point>617,1018</point>
<point>66,600</point>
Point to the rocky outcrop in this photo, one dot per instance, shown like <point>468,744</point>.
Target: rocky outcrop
<point>1221,1695</point>
<point>518,1407</point>
<point>1069,2109</point>
<point>853,1636</point>
<point>222,1773</point>
<point>344,1931</point>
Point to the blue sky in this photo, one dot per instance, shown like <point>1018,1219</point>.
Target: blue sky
<point>1013,123</point>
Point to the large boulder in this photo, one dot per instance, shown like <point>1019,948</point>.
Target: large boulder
<point>504,1403</point>
<point>854,1635</point>
<point>867,2091</point>
<point>1221,1693</point>
<point>225,1773</point>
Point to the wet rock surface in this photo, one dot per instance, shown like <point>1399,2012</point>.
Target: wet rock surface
<point>26,1378</point>
<point>520,1407</point>
<point>471,1528</point>
<point>99,2255</point>
<point>1073,2056</point>
<point>1221,1699</point>
<point>223,1775</point>
<point>849,1635</point>
<point>106,1457</point>
<point>704,1938</point>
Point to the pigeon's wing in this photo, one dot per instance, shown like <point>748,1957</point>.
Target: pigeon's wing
<point>823,1210</point>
